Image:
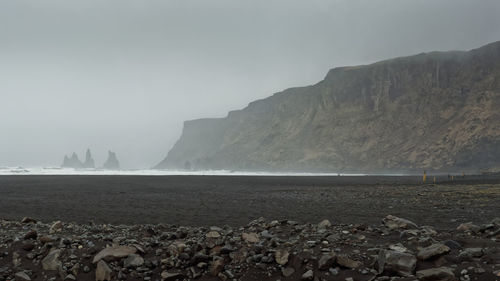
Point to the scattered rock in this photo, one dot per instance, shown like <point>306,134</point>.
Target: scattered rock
<point>287,271</point>
<point>293,250</point>
<point>452,244</point>
<point>56,227</point>
<point>51,261</point>
<point>432,251</point>
<point>103,272</point>
<point>47,239</point>
<point>114,252</point>
<point>32,234</point>
<point>167,276</point>
<point>217,267</point>
<point>345,261</point>
<point>402,264</point>
<point>308,275</point>
<point>326,261</point>
<point>281,256</point>
<point>213,234</point>
<point>22,276</point>
<point>393,222</point>
<point>436,274</point>
<point>468,226</point>
<point>324,224</point>
<point>250,237</point>
<point>28,220</point>
<point>133,260</point>
<point>28,247</point>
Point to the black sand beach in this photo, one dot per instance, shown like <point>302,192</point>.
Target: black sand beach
<point>235,200</point>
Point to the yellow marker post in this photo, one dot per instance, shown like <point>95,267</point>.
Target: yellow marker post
<point>424,178</point>
<point>434,180</point>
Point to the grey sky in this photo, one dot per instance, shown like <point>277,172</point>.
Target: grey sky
<point>124,75</point>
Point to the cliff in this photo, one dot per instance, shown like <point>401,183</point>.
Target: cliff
<point>434,110</point>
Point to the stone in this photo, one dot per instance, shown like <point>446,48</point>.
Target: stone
<point>347,262</point>
<point>46,239</point>
<point>469,254</point>
<point>28,220</point>
<point>398,247</point>
<point>217,267</point>
<point>266,234</point>
<point>281,256</point>
<point>133,260</point>
<point>468,226</point>
<point>472,252</point>
<point>22,276</point>
<point>436,274</point>
<point>452,244</point>
<point>287,271</point>
<point>250,237</point>
<point>32,234</point>
<point>402,264</point>
<point>308,275</point>
<point>393,222</point>
<point>114,252</point>
<point>212,234</point>
<point>51,261</point>
<point>326,261</point>
<point>324,224</point>
<point>56,227</point>
<point>433,250</point>
<point>16,259</point>
<point>103,272</point>
<point>28,247</point>
<point>167,276</point>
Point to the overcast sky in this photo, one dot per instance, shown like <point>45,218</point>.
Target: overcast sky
<point>124,75</point>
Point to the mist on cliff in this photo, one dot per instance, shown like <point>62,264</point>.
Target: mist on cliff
<point>123,75</point>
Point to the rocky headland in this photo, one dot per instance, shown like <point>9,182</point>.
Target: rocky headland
<point>395,249</point>
<point>433,111</point>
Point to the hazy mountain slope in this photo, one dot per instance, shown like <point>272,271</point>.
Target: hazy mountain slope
<point>437,110</point>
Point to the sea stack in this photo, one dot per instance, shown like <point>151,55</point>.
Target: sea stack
<point>89,161</point>
<point>72,162</point>
<point>112,162</point>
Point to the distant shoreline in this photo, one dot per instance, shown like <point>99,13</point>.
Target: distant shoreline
<point>55,171</point>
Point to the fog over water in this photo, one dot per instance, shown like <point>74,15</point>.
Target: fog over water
<point>124,75</point>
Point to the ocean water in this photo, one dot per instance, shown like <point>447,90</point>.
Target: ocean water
<point>150,172</point>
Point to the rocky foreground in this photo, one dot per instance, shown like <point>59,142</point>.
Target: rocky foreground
<point>397,249</point>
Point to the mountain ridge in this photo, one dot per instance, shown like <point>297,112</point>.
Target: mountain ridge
<point>427,111</point>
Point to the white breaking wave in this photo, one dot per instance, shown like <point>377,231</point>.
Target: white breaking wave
<point>7,171</point>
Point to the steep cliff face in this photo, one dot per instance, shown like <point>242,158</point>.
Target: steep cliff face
<point>437,110</point>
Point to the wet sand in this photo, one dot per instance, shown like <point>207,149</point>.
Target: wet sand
<point>235,200</point>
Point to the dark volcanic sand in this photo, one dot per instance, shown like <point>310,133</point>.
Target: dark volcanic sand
<point>235,200</point>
